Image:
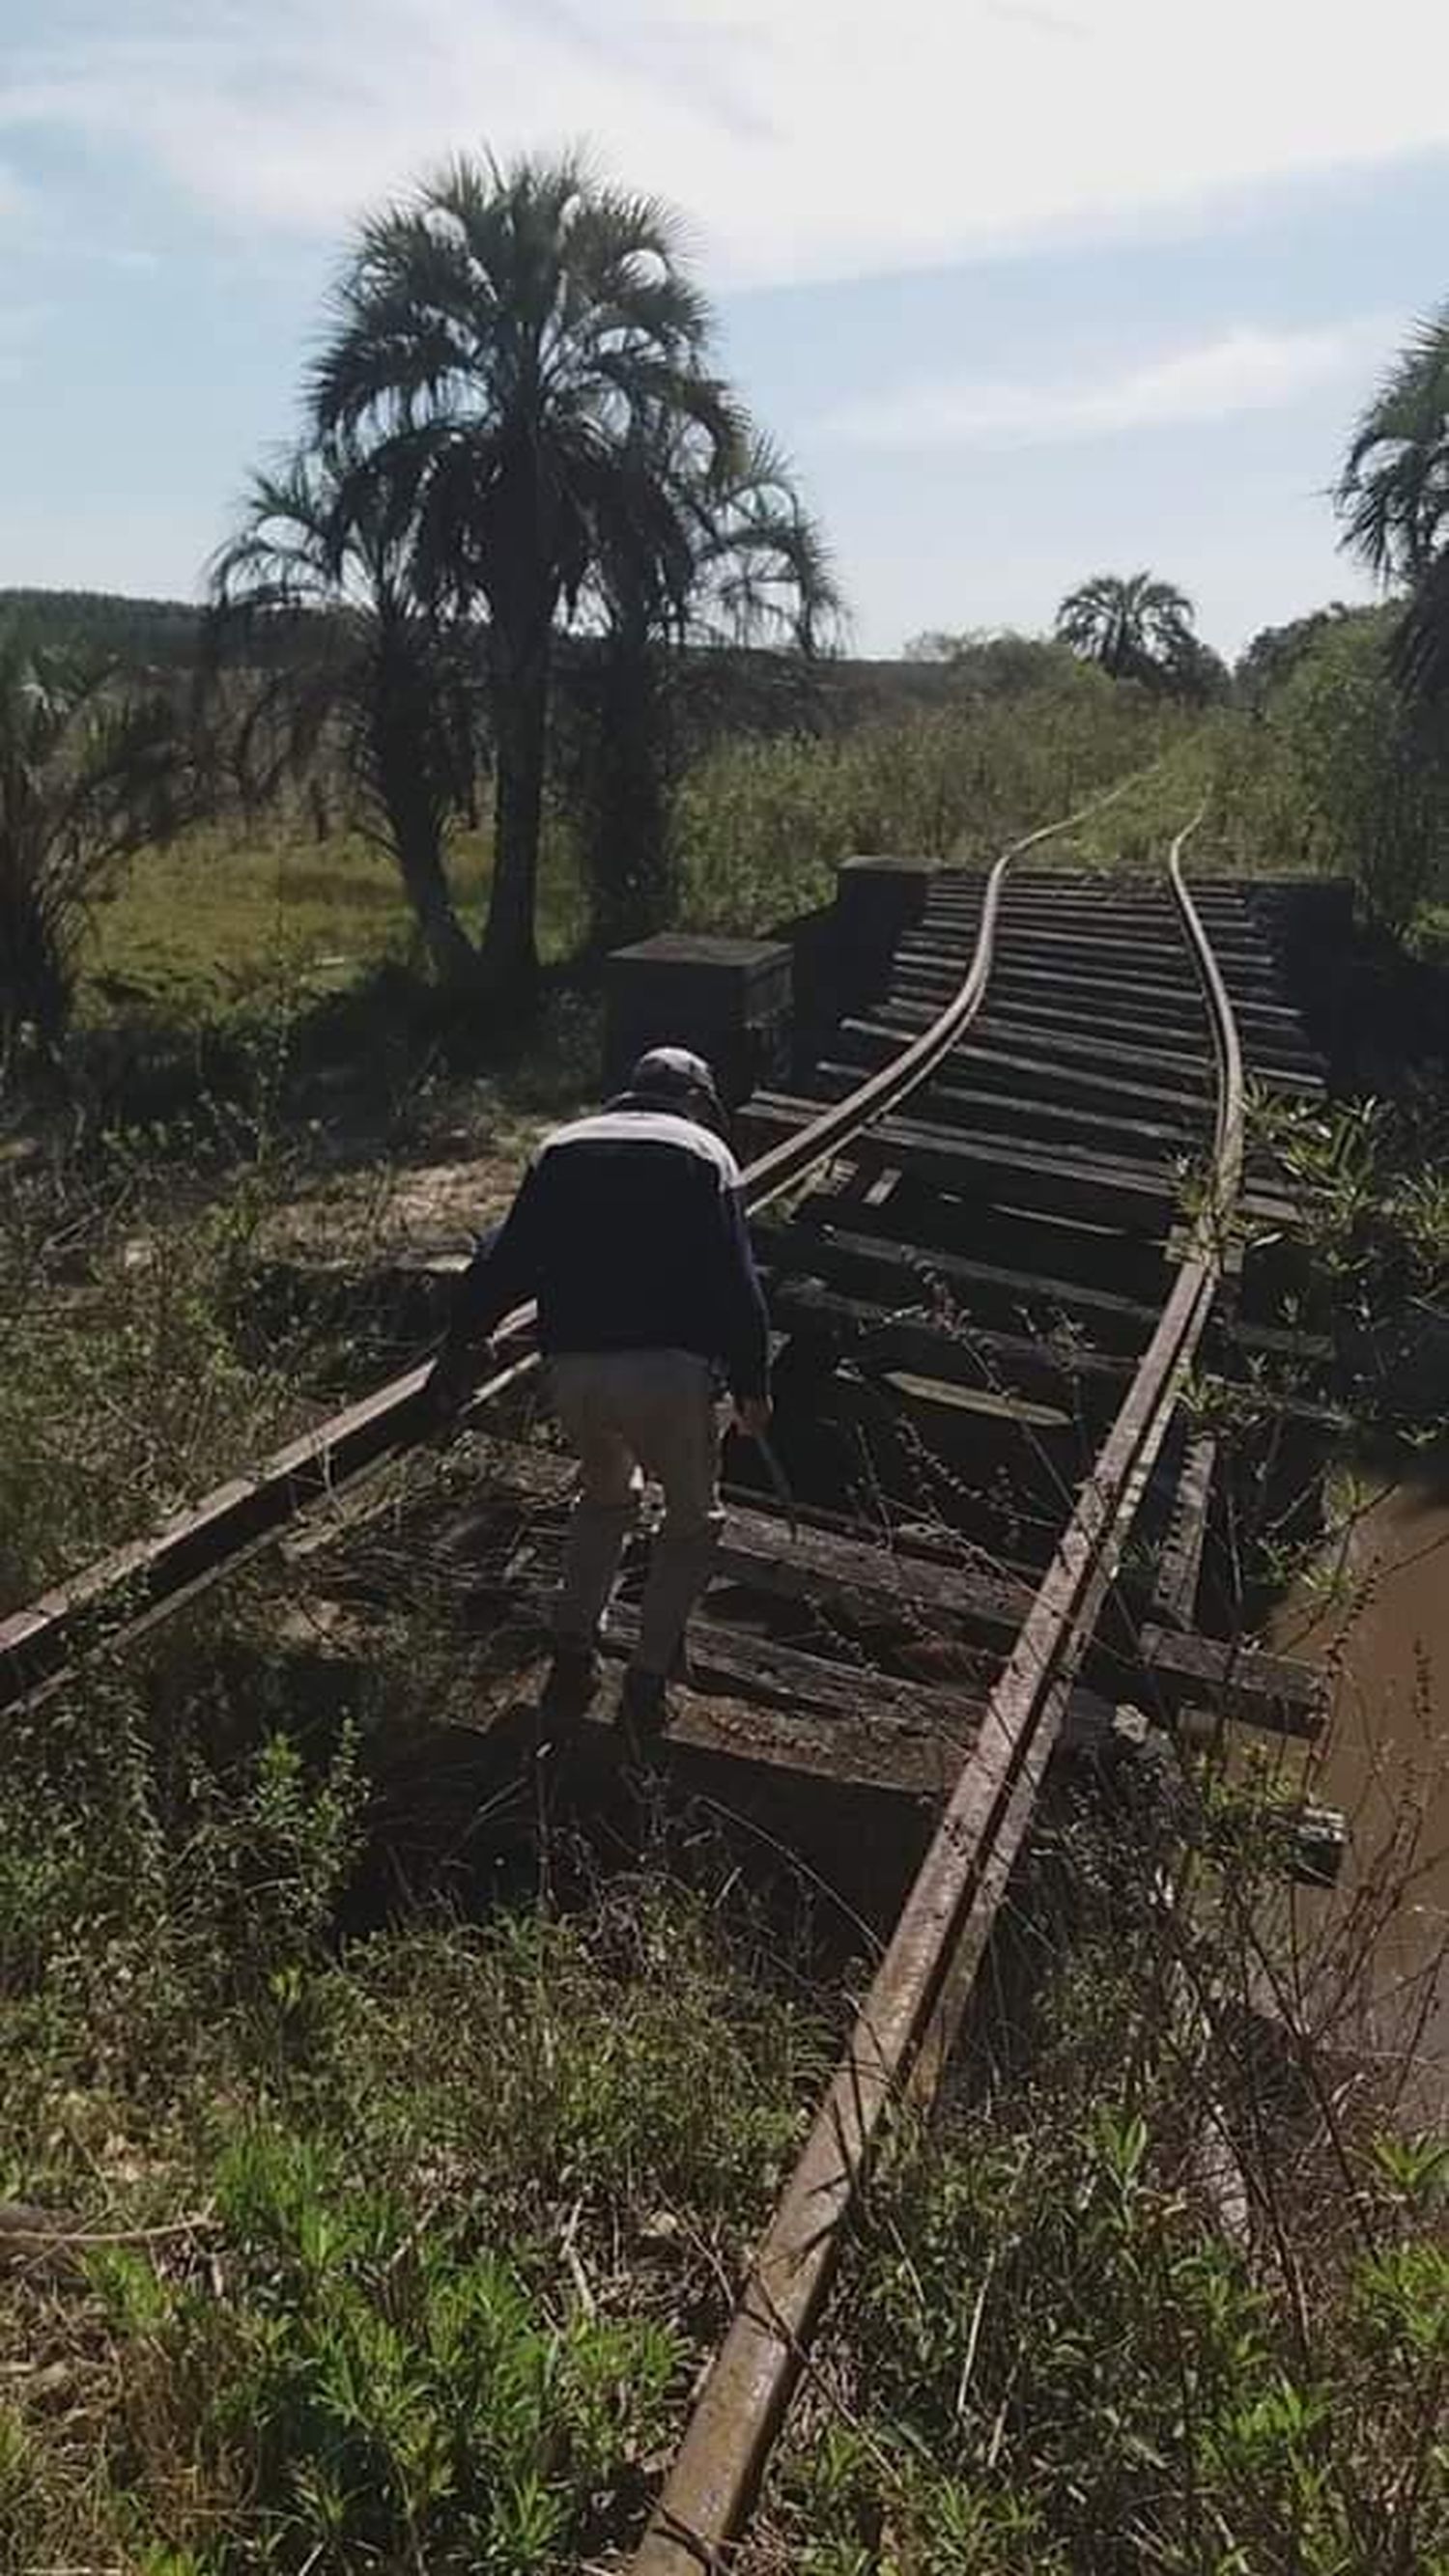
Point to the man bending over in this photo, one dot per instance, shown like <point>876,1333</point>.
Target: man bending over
<point>629,1230</point>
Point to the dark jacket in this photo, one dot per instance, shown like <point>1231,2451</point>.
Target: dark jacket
<point>629,1230</point>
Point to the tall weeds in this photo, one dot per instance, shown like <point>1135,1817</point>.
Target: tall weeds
<point>762,825</point>
<point>1058,2348</point>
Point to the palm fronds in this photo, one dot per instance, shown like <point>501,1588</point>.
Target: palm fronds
<point>1393,493</point>
<point>91,770</point>
<point>1136,628</point>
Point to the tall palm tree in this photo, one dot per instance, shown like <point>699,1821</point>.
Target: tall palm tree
<point>91,771</point>
<point>725,557</point>
<point>1393,493</point>
<point>1419,645</point>
<point>495,343</point>
<point>316,598</point>
<point>1136,628</point>
<point>1393,498</point>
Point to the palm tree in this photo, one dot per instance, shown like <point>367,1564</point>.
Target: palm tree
<point>1393,497</point>
<point>1134,628</point>
<point>90,772</point>
<point>724,557</point>
<point>1419,645</point>
<point>763,573</point>
<point>1393,493</point>
<point>316,599</point>
<point>496,343</point>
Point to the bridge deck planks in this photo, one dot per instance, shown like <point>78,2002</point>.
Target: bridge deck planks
<point>1094,1190</point>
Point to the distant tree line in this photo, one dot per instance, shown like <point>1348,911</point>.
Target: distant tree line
<point>159,633</point>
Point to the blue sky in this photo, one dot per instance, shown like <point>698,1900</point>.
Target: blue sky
<point>1029,288</point>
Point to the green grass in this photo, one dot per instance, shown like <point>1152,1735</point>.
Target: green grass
<point>139,1288</point>
<point>127,1310</point>
<point>1049,2359</point>
<point>222,919</point>
<point>1232,771</point>
<point>225,920</point>
<point>420,2225</point>
<point>444,2227</point>
<point>413,2237</point>
<point>1431,934</point>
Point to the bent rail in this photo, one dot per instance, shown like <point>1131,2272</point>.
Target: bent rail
<point>905,2027</point>
<point>144,1581</point>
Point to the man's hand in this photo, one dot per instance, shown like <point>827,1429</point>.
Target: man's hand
<point>752,1416</point>
<point>455,1374</point>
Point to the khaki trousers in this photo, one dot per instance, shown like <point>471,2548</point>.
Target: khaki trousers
<point>632,1414</point>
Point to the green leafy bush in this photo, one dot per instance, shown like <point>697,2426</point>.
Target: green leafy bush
<point>364,2387</point>
<point>1372,777</point>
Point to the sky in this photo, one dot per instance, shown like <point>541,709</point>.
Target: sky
<point>1028,289</point>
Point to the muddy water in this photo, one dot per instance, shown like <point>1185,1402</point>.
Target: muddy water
<point>1371,1955</point>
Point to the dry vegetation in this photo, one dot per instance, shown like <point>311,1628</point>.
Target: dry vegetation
<point>372,2214</point>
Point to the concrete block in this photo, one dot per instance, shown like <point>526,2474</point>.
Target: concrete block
<point>728,999</point>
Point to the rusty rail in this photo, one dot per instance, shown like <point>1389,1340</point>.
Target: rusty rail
<point>904,2030</point>
<point>135,1586</point>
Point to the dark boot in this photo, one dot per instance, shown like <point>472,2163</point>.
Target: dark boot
<point>573,1678</point>
<point>644,1707</point>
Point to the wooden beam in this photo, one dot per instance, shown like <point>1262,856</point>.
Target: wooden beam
<point>1097,1192</point>
<point>1263,1690</point>
<point>1044,1369</point>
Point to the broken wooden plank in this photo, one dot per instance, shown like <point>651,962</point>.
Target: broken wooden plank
<point>987,1291</point>
<point>1040,1073</point>
<point>999,1026</point>
<point>815,1563</point>
<point>1179,1566</point>
<point>1118,1196</point>
<point>751,1700</point>
<point>1054,1370</point>
<point>1021,1114</point>
<point>1282,1697</point>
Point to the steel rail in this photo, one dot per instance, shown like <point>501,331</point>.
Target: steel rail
<point>133,1587</point>
<point>908,2021</point>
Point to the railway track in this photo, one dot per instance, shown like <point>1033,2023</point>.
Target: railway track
<point>1033,1188</point>
<point>991,1278</point>
<point>128,1590</point>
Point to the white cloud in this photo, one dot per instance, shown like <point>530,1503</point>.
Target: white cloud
<point>1240,371</point>
<point>812,138</point>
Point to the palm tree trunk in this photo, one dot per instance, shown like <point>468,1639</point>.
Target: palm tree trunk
<point>410,803</point>
<point>451,953</point>
<point>35,987</point>
<point>631,889</point>
<point>519,670</point>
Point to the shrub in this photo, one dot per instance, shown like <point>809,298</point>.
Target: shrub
<point>762,825</point>
<point>1058,2346</point>
<point>365,2386</point>
<point>90,771</point>
<point>1376,785</point>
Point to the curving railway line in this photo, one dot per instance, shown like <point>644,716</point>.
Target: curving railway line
<point>1000,1234</point>
<point>906,2022</point>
